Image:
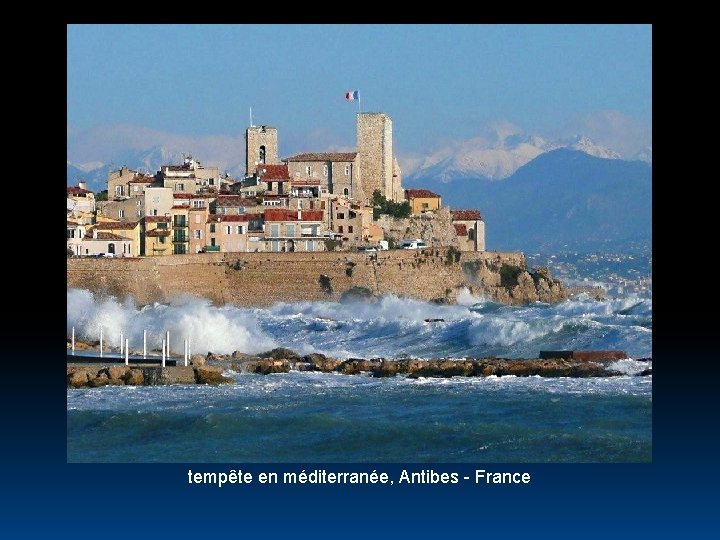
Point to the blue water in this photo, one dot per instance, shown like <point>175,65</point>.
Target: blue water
<point>320,417</point>
<point>316,417</point>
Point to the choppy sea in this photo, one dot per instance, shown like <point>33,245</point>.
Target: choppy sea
<point>317,417</point>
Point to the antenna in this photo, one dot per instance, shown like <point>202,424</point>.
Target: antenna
<point>251,123</point>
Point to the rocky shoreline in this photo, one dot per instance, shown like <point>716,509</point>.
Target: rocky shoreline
<point>209,369</point>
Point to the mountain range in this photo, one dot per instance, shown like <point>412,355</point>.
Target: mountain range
<point>561,199</point>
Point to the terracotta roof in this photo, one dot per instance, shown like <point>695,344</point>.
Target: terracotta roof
<point>71,224</point>
<point>158,232</point>
<point>323,156</point>
<point>235,200</point>
<point>236,217</point>
<point>184,196</point>
<point>124,225</point>
<point>460,229</point>
<point>466,215</point>
<point>77,190</point>
<point>273,172</point>
<point>142,180</point>
<point>109,236</point>
<point>417,193</point>
<point>157,219</point>
<point>309,182</point>
<point>285,214</point>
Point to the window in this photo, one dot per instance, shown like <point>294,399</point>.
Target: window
<point>212,241</point>
<point>240,229</point>
<point>154,211</point>
<point>347,170</point>
<point>340,229</point>
<point>161,239</point>
<point>262,154</point>
<point>350,228</point>
<point>118,190</point>
<point>274,229</point>
<point>70,233</point>
<point>198,204</point>
<point>471,234</point>
<point>139,202</point>
<point>111,248</point>
<point>325,170</point>
<point>162,225</point>
<point>291,230</point>
<point>197,219</point>
<point>228,229</point>
<point>308,170</point>
<point>340,215</point>
<point>121,214</point>
<point>139,213</point>
<point>197,234</point>
<point>310,245</point>
<point>179,187</point>
<point>212,229</point>
<point>346,192</point>
<point>425,206</point>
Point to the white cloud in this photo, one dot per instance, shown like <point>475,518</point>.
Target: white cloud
<point>624,134</point>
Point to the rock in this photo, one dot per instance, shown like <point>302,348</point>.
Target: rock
<point>326,365</point>
<point>135,377</point>
<point>78,378</point>
<point>354,366</point>
<point>645,372</point>
<point>116,372</point>
<point>266,366</point>
<point>387,368</point>
<point>280,353</point>
<point>210,375</point>
<point>357,294</point>
<point>237,354</point>
<point>197,360</point>
<point>98,381</point>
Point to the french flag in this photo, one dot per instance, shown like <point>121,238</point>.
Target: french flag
<point>352,94</point>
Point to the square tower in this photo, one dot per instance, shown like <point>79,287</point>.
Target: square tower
<point>261,146</point>
<point>375,154</point>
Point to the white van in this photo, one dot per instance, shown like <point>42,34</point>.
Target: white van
<point>412,244</point>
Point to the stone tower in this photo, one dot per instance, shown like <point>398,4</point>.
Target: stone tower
<point>375,154</point>
<point>261,146</point>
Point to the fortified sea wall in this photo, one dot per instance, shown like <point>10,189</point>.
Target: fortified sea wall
<point>260,279</point>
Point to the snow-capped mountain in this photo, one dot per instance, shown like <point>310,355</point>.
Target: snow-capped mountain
<point>495,158</point>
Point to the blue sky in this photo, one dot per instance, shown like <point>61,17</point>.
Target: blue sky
<point>437,82</point>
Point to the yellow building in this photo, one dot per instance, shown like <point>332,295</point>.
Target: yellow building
<point>157,236</point>
<point>422,200</point>
<point>126,232</point>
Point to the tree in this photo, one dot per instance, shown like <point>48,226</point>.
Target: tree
<point>383,206</point>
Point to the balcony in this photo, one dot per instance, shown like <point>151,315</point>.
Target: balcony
<point>180,223</point>
<point>181,238</point>
<point>212,248</point>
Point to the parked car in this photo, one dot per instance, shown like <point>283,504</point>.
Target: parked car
<point>412,244</point>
